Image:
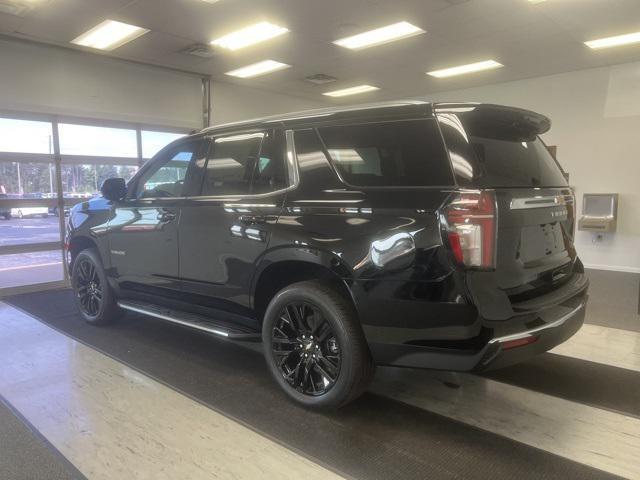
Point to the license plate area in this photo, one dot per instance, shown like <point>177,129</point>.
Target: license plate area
<point>540,241</point>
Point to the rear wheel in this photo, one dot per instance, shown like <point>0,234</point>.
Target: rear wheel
<point>314,345</point>
<point>94,297</point>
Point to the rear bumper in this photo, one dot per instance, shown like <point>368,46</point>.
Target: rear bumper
<point>551,327</point>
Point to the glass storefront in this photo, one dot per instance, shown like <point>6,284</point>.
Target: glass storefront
<point>30,235</point>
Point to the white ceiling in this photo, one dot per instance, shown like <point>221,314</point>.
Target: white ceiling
<point>529,39</point>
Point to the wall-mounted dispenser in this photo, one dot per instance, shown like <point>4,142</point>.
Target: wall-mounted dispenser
<point>599,212</point>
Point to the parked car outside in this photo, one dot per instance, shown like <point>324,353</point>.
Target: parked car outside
<point>406,234</point>
<point>22,212</point>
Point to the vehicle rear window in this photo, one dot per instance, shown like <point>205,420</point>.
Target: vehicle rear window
<point>402,153</point>
<point>489,151</point>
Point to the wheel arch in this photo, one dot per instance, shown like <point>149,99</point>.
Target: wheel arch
<point>286,266</point>
<point>78,244</point>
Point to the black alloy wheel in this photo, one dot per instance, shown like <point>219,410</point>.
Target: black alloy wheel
<point>93,295</point>
<point>314,345</point>
<point>88,287</point>
<point>305,349</point>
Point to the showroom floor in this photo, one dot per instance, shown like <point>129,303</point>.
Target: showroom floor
<point>143,399</point>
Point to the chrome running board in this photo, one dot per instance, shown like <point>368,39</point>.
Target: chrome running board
<point>191,320</point>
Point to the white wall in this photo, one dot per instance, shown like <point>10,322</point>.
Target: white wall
<point>595,117</point>
<point>232,102</point>
<point>38,78</point>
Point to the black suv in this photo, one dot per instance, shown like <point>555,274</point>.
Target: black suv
<point>408,233</point>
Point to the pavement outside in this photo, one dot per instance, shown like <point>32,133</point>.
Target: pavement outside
<point>35,267</point>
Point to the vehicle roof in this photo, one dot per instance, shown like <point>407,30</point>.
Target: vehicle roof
<point>379,110</point>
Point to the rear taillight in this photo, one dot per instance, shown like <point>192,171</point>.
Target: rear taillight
<point>471,220</point>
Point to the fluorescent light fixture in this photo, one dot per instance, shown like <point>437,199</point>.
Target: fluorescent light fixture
<point>109,35</point>
<point>616,41</point>
<point>462,69</point>
<point>260,68</point>
<point>390,33</point>
<point>250,35</point>
<point>351,91</point>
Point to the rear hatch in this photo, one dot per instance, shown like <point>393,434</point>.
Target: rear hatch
<point>497,151</point>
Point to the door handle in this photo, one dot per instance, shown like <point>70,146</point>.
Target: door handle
<point>252,219</point>
<point>166,216</point>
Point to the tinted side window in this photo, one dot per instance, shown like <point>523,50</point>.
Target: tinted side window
<point>231,163</point>
<point>270,173</point>
<point>315,170</point>
<point>167,177</point>
<point>405,153</point>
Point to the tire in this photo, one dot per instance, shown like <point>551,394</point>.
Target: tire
<point>287,354</point>
<point>88,278</point>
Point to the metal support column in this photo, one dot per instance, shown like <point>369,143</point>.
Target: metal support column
<point>139,145</point>
<point>57,157</point>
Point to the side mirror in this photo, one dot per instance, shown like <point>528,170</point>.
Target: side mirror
<point>114,189</point>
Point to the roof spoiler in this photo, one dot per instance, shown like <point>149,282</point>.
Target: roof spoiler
<point>515,118</point>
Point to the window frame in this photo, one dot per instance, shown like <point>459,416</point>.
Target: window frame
<point>431,119</point>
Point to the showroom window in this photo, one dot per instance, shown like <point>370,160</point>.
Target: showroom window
<point>31,230</point>
<point>25,136</point>
<point>153,142</point>
<point>97,141</point>
<point>85,180</point>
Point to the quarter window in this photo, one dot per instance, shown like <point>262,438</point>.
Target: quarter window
<point>404,153</point>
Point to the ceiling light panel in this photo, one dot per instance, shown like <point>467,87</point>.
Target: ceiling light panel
<point>256,69</point>
<point>464,69</point>
<point>390,33</point>
<point>259,32</point>
<point>351,91</point>
<point>109,35</point>
<point>617,41</point>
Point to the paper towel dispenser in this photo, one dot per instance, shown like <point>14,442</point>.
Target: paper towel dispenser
<point>599,212</point>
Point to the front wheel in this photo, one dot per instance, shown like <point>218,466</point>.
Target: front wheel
<point>314,345</point>
<point>94,297</point>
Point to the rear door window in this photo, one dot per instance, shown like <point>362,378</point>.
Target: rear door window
<point>231,164</point>
<point>492,149</point>
<point>402,153</point>
<point>269,173</point>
